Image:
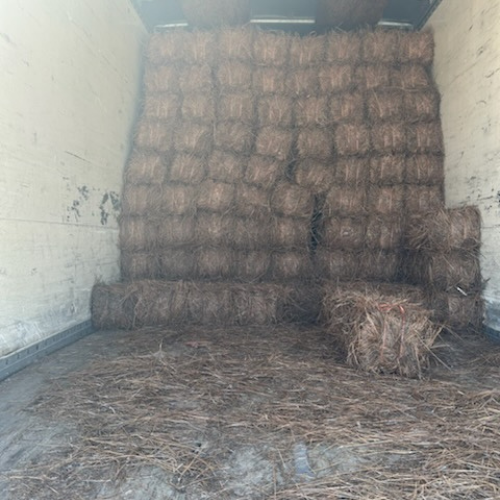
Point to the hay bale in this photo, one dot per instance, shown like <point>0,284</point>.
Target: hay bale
<point>411,77</point>
<point>373,76</point>
<point>290,200</point>
<point>176,231</point>
<point>112,306</point>
<point>188,169</point>
<point>421,106</point>
<point>352,140</point>
<point>154,135</point>
<point>384,233</point>
<point>274,142</point>
<point>162,48</point>
<point>214,230</point>
<point>251,233</point>
<point>303,304</point>
<point>381,47</point>
<point>335,78</point>
<point>138,265</point>
<point>138,234</point>
<point>315,142</point>
<point>275,110</point>
<point>271,49</point>
<point>162,106</point>
<point>145,168</point>
<point>387,170</point>
<point>307,50</point>
<point>234,137</point>
<point>198,107</point>
<point>195,79</point>
<point>346,200</point>
<point>352,170</point>
<point>214,263</point>
<point>238,106</point>
<point>176,263</point>
<point>234,76</point>
<point>385,105</point>
<point>412,293</point>
<point>347,107</point>
<point>290,233</point>
<point>416,47</point>
<point>286,266</point>
<point>302,82</point>
<point>225,167</point>
<point>215,13</point>
<point>425,138</point>
<point>264,171</point>
<point>343,233</point>
<point>379,332</point>
<point>269,81</point>
<point>317,176</point>
<point>141,199</point>
<point>252,265</point>
<point>194,138</point>
<point>386,200</point>
<point>235,44</point>
<point>425,169</point>
<point>215,196</point>
<point>336,264</point>
<point>196,48</point>
<point>389,138</point>
<point>343,47</point>
<point>251,201</point>
<point>349,14</point>
<point>380,265</point>
<point>312,111</point>
<point>456,312</point>
<point>161,79</point>
<point>421,199</point>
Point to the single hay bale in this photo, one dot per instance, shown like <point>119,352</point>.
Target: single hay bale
<point>215,196</point>
<point>381,47</point>
<point>238,106</point>
<point>456,312</point>
<point>289,233</point>
<point>335,78</point>
<point>163,48</point>
<point>225,167</point>
<point>425,138</point>
<point>286,266</point>
<point>112,306</point>
<point>193,138</point>
<point>416,47</point>
<point>145,168</point>
<point>389,138</point>
<point>343,47</point>
<point>274,142</point>
<point>303,303</point>
<point>211,304</point>
<point>380,333</point>
<point>444,230</point>
<point>312,111</point>
<point>176,263</point>
<point>269,81</point>
<point>425,169</point>
<point>264,171</point>
<point>138,234</point>
<point>197,48</point>
<point>420,199</point>
<point>251,233</point>
<point>176,231</point>
<point>154,135</point>
<point>198,107</point>
<point>161,79</point>
<point>141,199</point>
<point>302,82</point>
<point>411,77</point>
<point>384,233</point>
<point>352,140</point>
<point>291,200</point>
<point>187,168</point>
<point>258,305</point>
<point>349,14</point>
<point>385,105</point>
<point>307,50</point>
<point>214,230</point>
<point>347,107</point>
<point>317,176</point>
<point>373,76</point>
<point>234,76</point>
<point>138,265</point>
<point>235,44</point>
<point>214,263</point>
<point>343,233</point>
<point>352,170</point>
<point>275,110</point>
<point>252,265</point>
<point>380,265</point>
<point>346,200</point>
<point>234,137</point>
<point>215,13</point>
<point>196,79</point>
<point>386,200</point>
<point>421,106</point>
<point>271,49</point>
<point>178,199</point>
<point>315,142</point>
<point>252,200</point>
<point>162,106</point>
<point>336,264</point>
<point>387,170</point>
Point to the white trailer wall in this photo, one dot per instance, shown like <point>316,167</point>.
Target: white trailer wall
<point>69,82</point>
<point>467,71</point>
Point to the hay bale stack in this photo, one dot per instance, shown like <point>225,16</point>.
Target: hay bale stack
<point>379,331</point>
<point>214,13</point>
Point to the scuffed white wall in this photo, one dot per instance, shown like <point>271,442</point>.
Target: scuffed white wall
<point>69,82</point>
<point>467,71</point>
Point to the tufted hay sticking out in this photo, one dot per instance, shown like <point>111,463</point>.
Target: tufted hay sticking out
<point>373,76</point>
<point>291,200</point>
<point>303,82</point>
<point>176,231</point>
<point>214,230</point>
<point>381,265</point>
<point>387,170</point>
<point>251,201</point>
<point>314,142</point>
<point>421,106</point>
<point>347,107</point>
<point>274,142</point>
<point>343,233</point>
<point>425,138</point>
<point>352,140</point>
<point>380,332</point>
<point>420,199</point>
<point>193,138</point>
<point>234,137</point>
<point>384,233</point>
<point>215,196</point>
<point>349,14</point>
<point>264,171</point>
<point>386,200</point>
<point>161,79</point>
<point>138,265</point>
<point>138,234</point>
<point>425,169</point>
<point>197,48</point>
<point>337,264</point>
<point>252,265</point>
<point>346,200</point>
<point>269,81</point>
<point>145,168</point>
<point>226,167</point>
<point>275,110</point>
<point>234,76</point>
<point>290,233</point>
<point>317,176</point>
<point>443,230</point>
<point>411,77</point>
<point>154,135</point>
<point>252,234</point>
<point>291,266</point>
<point>352,170</point>
<point>187,168</point>
<point>381,47</point>
<point>312,111</point>
<point>307,51</point>
<point>141,199</point>
<point>458,313</point>
<point>239,106</point>
<point>335,78</point>
<point>216,13</point>
<point>342,47</point>
<point>198,107</point>
<point>195,78</point>
<point>385,105</point>
<point>389,138</point>
<point>271,49</point>
<point>235,44</point>
<point>162,106</point>
<point>176,263</point>
<point>417,47</point>
<point>214,263</point>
